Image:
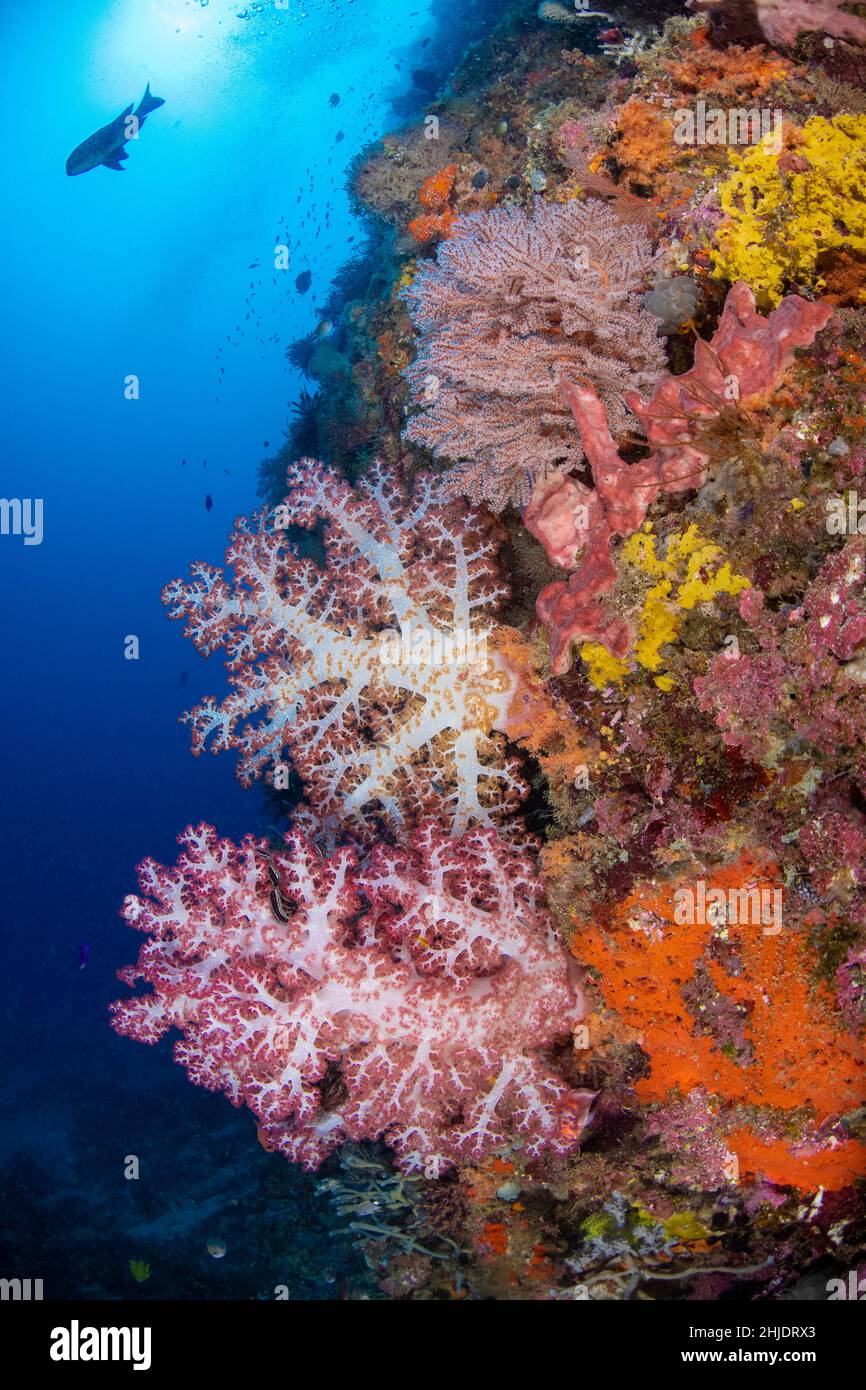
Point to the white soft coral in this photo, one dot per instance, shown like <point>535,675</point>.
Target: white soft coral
<point>377,671</point>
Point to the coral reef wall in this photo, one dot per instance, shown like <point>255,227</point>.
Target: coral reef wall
<point>556,671</point>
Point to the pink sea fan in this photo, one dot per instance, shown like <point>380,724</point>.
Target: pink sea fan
<point>515,303</point>
<point>409,1000</point>
<point>577,148</point>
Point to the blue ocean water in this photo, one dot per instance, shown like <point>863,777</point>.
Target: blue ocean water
<point>161,273</point>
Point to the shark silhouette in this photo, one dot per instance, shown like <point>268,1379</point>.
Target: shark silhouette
<point>106,146</point>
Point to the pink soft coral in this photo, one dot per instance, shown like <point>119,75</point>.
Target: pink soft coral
<point>746,357</point>
<point>408,999</point>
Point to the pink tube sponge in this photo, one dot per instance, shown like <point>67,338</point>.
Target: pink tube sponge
<point>746,357</point>
<point>783,21</point>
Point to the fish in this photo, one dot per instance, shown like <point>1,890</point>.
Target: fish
<point>277,906</point>
<point>182,680</point>
<point>106,146</point>
<point>83,954</point>
<point>303,281</point>
<point>334,99</point>
<point>208,502</point>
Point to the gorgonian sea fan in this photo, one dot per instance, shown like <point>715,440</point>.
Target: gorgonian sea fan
<point>409,998</point>
<point>377,673</point>
<point>515,303</point>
